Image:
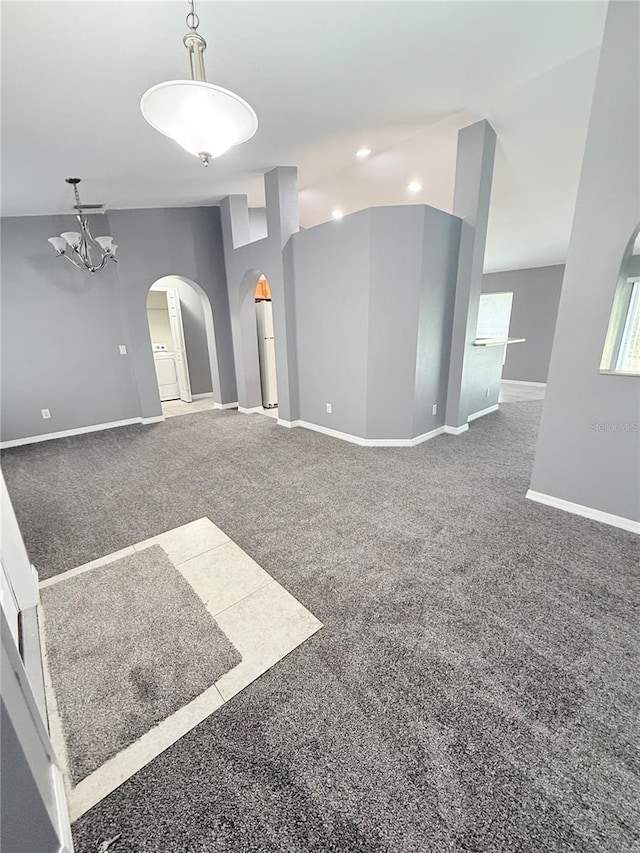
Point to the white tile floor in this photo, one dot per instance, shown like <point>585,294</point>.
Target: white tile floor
<point>514,392</point>
<point>262,620</point>
<point>171,408</point>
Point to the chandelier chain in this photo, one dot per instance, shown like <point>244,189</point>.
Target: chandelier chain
<point>192,20</point>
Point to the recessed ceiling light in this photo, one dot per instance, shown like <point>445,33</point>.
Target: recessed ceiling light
<point>414,187</point>
<point>363,153</point>
<point>337,214</point>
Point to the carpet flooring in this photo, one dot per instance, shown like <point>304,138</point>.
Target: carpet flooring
<point>476,684</point>
<point>128,644</point>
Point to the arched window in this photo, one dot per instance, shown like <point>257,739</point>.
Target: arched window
<point>622,345</point>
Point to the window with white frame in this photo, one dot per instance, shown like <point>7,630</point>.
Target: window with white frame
<point>622,345</point>
<point>628,360</point>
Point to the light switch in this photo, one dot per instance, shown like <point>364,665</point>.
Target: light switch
<point>123,349</point>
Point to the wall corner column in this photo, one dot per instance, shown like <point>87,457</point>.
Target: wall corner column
<point>472,196</point>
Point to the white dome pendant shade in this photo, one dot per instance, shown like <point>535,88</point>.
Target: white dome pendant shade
<point>206,120</point>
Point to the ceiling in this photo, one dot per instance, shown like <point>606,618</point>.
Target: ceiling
<point>325,78</point>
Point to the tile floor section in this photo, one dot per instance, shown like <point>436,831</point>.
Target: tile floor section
<point>262,620</point>
<point>171,408</point>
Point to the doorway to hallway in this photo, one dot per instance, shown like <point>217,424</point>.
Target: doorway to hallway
<point>166,328</point>
<point>176,314</point>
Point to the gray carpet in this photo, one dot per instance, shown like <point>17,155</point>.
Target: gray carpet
<point>129,643</point>
<point>475,687</point>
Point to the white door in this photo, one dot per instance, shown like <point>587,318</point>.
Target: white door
<point>180,351</point>
<point>36,816</point>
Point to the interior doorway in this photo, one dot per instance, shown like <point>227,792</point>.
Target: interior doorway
<point>180,346</point>
<point>266,346</point>
<point>167,342</point>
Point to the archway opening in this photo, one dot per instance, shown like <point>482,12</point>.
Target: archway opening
<point>266,345</point>
<point>181,332</point>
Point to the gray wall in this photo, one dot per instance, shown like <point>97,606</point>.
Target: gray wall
<point>245,261</point>
<point>61,327</point>
<point>331,270</point>
<point>472,195</point>
<point>483,370</point>
<point>374,302</point>
<point>257,223</point>
<point>588,452</point>
<point>395,271</point>
<point>171,241</point>
<point>440,246</point>
<point>536,297</point>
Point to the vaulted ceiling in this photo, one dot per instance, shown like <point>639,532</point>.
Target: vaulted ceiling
<point>326,78</point>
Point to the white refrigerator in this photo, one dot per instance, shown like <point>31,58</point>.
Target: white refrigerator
<point>267,353</point>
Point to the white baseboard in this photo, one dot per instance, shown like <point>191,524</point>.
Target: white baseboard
<point>226,405</point>
<point>202,396</point>
<point>364,442</point>
<point>33,439</point>
<point>244,411</point>
<point>451,430</point>
<point>523,382</point>
<point>585,511</point>
<point>483,412</point>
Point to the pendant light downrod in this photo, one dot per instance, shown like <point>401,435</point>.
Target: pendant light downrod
<point>195,45</point>
<point>206,120</point>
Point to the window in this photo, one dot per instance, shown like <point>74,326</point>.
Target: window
<point>622,345</point>
<point>628,360</point>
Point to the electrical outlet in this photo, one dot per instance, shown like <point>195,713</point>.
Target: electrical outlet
<point>45,414</point>
<point>123,349</point>
<point>487,394</point>
<point>328,408</point>
<point>434,409</point>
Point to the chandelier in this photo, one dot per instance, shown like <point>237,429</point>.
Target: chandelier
<point>80,247</point>
<point>204,119</point>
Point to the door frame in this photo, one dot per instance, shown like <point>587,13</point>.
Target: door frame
<point>177,333</point>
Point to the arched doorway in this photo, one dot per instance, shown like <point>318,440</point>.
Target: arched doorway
<point>254,290</point>
<point>266,344</point>
<point>181,332</point>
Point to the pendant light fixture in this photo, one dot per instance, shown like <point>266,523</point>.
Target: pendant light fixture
<point>206,120</point>
<point>80,247</point>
